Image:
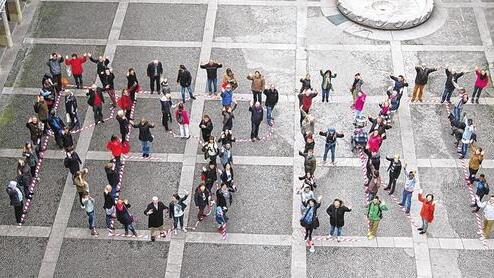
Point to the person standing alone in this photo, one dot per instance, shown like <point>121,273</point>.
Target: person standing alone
<point>154,72</point>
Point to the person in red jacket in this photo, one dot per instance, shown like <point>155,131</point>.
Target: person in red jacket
<point>76,65</point>
<point>116,148</point>
<point>374,142</point>
<point>427,211</point>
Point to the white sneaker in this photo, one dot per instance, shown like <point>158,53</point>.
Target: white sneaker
<point>338,238</point>
<point>184,229</point>
<point>312,249</point>
<point>175,231</point>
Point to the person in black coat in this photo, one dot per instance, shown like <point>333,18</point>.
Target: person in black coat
<point>212,73</point>
<point>271,101</point>
<point>184,79</point>
<point>309,220</point>
<point>206,127</point>
<point>256,118</point>
<point>155,213</point>
<point>96,101</point>
<point>209,175</point>
<point>336,212</point>
<point>123,124</point>
<point>113,176</point>
<point>154,72</point>
<point>394,170</point>
<point>72,161</point>
<point>101,65</point>
<point>202,198</point>
<point>228,116</point>
<point>177,210</point>
<point>16,200</point>
<point>226,177</point>
<point>224,196</point>
<point>109,86</point>
<point>420,81</point>
<point>109,207</point>
<point>124,216</point>
<point>145,135</point>
<point>67,140</point>
<point>71,110</point>
<point>24,177</point>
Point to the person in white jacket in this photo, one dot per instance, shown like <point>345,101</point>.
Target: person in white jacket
<point>488,207</point>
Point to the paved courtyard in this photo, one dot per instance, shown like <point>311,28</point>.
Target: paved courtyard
<point>284,39</point>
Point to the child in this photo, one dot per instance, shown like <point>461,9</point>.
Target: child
<point>427,211</point>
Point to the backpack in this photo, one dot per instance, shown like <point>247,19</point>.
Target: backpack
<point>379,211</point>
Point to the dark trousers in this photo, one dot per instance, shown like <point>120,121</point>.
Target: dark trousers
<point>165,118</point>
<point>58,138</point>
<point>78,80</point>
<point>472,174</point>
<point>476,92</point>
<point>18,212</point>
<point>57,78</point>
<point>176,220</point>
<point>392,183</point>
<point>200,213</point>
<point>308,232</point>
<point>257,96</point>
<point>152,81</point>
<point>98,113</point>
<point>255,130</point>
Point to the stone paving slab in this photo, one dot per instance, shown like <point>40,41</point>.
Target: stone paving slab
<point>461,263</point>
<point>279,143</point>
<point>229,260</point>
<point>361,262</point>
<point>271,24</point>
<point>99,254</point>
<point>139,57</point>
<point>162,181</point>
<point>253,196</point>
<point>460,27</point>
<point>30,64</point>
<point>25,252</point>
<point>69,20</point>
<point>164,22</point>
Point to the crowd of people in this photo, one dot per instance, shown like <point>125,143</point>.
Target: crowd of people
<point>214,193</point>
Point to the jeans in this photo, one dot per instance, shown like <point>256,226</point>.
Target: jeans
<point>456,113</point>
<point>464,149</point>
<point>406,200</point>
<point>447,95</point>
<point>425,225</point>
<point>178,219</point>
<point>333,228</point>
<point>328,147</point>
<point>90,219</point>
<point>98,113</point>
<point>476,92</point>
<point>129,227</point>
<point>358,113</point>
<point>257,96</point>
<point>325,95</point>
<point>146,147</point>
<point>108,221</point>
<point>255,130</point>
<point>184,131</point>
<point>78,80</point>
<point>269,114</point>
<point>154,80</point>
<point>182,91</point>
<point>212,83</point>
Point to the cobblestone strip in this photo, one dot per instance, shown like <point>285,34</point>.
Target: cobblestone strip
<point>55,240</point>
<point>421,250</point>
<point>177,244</point>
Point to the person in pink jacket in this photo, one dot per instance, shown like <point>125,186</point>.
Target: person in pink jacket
<point>183,121</point>
<point>358,105</point>
<point>480,83</point>
<point>374,142</point>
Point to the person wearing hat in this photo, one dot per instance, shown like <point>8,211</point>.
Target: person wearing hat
<point>154,211</point>
<point>184,79</point>
<point>394,170</point>
<point>331,136</point>
<point>16,200</point>
<point>406,197</point>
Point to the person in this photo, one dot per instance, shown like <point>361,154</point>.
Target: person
<point>57,126</point>
<point>67,140</point>
<point>166,106</point>
<point>184,79</point>
<point>326,84</point>
<point>165,87</point>
<point>307,124</point>
<point>221,219</point>
<point>71,110</point>
<point>394,170</point>
<point>480,83</point>
<point>305,102</point>
<point>210,149</point>
<point>109,85</point>
<point>451,79</point>
<point>226,137</point>
<point>209,175</point>
<point>226,155</point>
<point>420,81</point>
<point>310,221</point>
<point>202,198</point>
<point>124,216</point>
<point>30,157</point>
<point>456,114</point>
<point>226,95</point>
<point>176,210</point>
<point>358,105</point>
<point>182,118</point>
<point>427,211</point>
<point>309,143</point>
<point>145,135</point>
<point>41,109</point>
<point>109,207</point>
<point>132,84</point>
<point>123,124</point>
<point>394,98</point>
<point>257,85</point>
<point>226,177</point>
<point>77,68</point>
<point>331,136</point>
<point>35,130</point>
<point>482,189</point>
<point>309,162</point>
<point>81,184</point>
<point>55,66</point>
<point>271,101</point>
<point>373,185</point>
<point>410,182</point>
<point>356,87</point>
<point>88,203</point>
<point>154,211</point>
<point>467,137</point>
<point>306,194</point>
<point>476,158</point>
<point>24,178</point>
<point>488,207</point>
<point>72,161</point>
<point>374,215</point>
<point>113,177</point>
<point>256,117</point>
<point>96,101</point>
<point>154,72</point>
<point>374,142</point>
<point>212,73</point>
<point>16,201</point>
<point>378,124</point>
<point>101,65</point>
<point>305,83</point>
<point>224,196</point>
<point>373,163</point>
<point>229,78</point>
<point>336,212</point>
<point>115,147</point>
<point>125,103</point>
<point>399,83</point>
<point>206,127</point>
<point>228,116</point>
